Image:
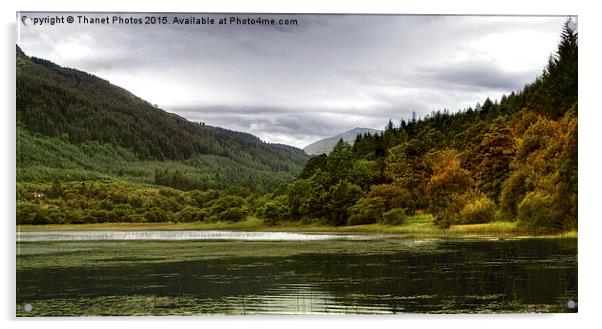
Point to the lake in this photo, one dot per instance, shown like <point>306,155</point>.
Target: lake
<point>217,272</point>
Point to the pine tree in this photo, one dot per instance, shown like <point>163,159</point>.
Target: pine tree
<point>559,78</point>
<point>390,126</point>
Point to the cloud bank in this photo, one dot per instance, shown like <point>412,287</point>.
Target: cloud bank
<point>296,84</point>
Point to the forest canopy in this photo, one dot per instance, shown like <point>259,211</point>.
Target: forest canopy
<point>86,154</point>
<point>74,126</point>
<point>513,159</point>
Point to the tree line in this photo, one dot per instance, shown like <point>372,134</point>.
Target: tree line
<point>515,159</point>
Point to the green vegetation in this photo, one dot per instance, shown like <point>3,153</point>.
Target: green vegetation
<point>73,126</point>
<point>100,202</point>
<point>85,155</point>
<point>47,159</point>
<point>514,159</point>
<point>420,226</point>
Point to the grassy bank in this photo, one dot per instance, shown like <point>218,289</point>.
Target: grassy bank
<point>420,225</point>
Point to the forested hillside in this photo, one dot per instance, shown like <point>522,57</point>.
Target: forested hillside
<point>89,152</point>
<point>512,159</point>
<point>74,126</point>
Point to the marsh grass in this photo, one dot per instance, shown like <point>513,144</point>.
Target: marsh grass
<point>421,225</point>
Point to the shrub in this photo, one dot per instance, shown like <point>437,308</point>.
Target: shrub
<point>56,190</point>
<point>233,214</point>
<point>395,216</point>
<point>537,211</point>
<point>118,197</point>
<point>78,216</point>
<point>101,216</point>
<point>222,204</point>
<point>29,213</point>
<point>448,213</point>
<point>121,211</point>
<point>478,210</point>
<point>394,196</point>
<point>106,204</point>
<point>135,201</point>
<point>168,193</point>
<point>366,211</point>
<point>447,216</point>
<point>274,210</point>
<point>156,215</point>
<point>513,191</point>
<point>191,214</point>
<point>134,218</point>
<point>56,216</point>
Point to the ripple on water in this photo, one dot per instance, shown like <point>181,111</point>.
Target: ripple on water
<point>179,235</point>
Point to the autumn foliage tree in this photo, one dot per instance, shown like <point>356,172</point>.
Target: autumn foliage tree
<point>449,180</point>
<point>514,159</point>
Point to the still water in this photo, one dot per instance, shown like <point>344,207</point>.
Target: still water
<point>304,274</point>
<point>179,235</point>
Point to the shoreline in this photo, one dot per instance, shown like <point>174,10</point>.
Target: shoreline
<point>418,228</point>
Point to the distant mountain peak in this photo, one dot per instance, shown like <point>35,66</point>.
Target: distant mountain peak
<point>327,144</point>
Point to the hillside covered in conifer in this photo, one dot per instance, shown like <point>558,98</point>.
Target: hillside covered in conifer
<point>74,126</point>
<point>90,152</point>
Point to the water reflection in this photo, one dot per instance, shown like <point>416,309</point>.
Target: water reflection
<point>537,275</point>
<point>179,235</point>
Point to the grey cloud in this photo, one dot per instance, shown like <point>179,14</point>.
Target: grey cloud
<point>477,75</point>
<point>299,83</point>
<point>463,76</point>
<point>284,120</point>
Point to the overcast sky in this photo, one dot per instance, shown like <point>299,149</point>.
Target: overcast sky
<point>297,84</point>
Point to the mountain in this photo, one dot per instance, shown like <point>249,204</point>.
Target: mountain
<point>327,144</point>
<point>63,111</point>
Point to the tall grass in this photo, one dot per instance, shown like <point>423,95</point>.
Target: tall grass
<point>418,225</point>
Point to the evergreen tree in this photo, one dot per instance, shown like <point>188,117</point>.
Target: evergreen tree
<point>560,76</point>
